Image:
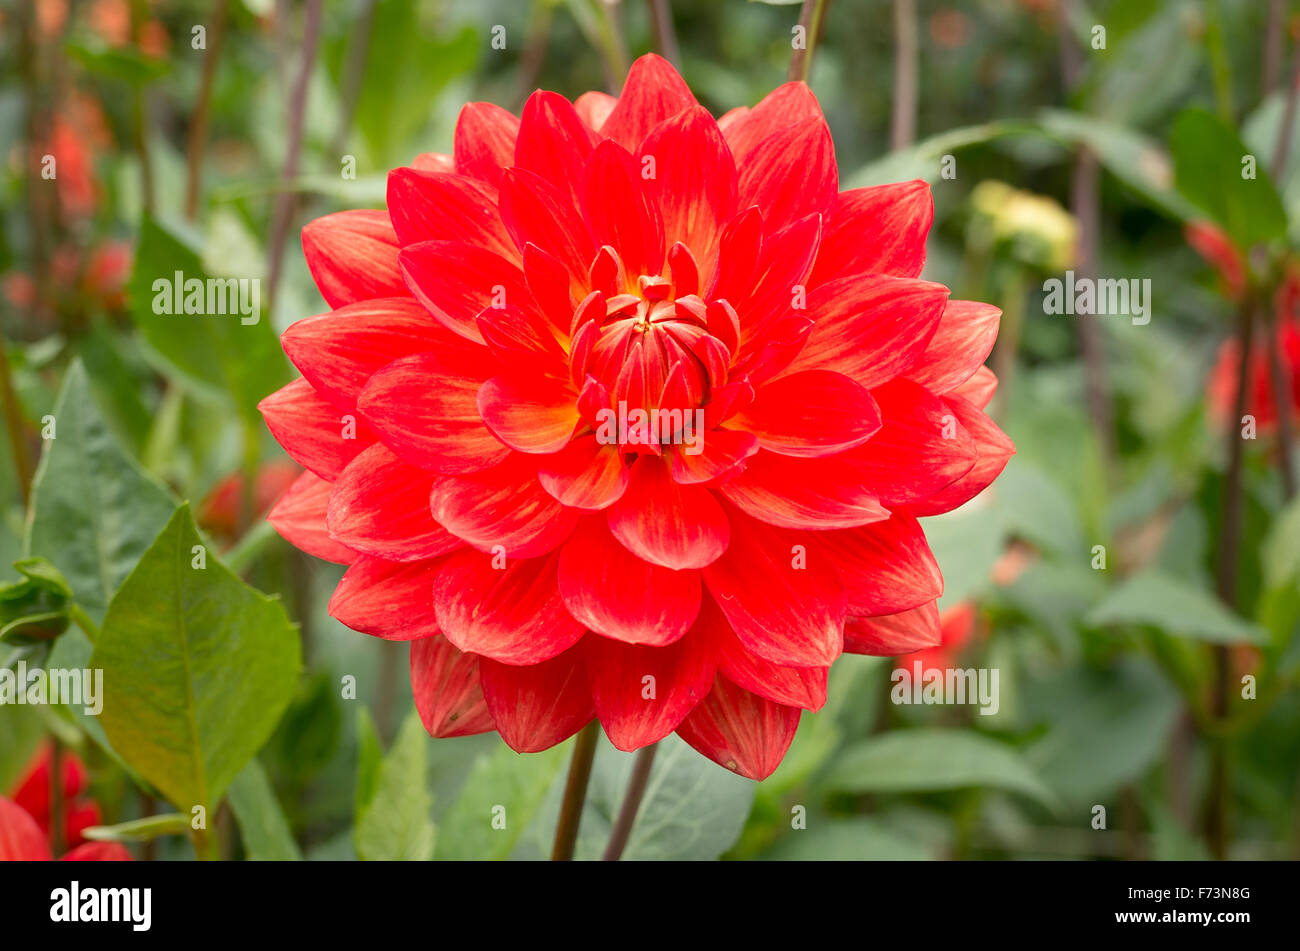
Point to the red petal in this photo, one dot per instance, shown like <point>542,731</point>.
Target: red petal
<point>893,634</point>
<point>536,211</point>
<point>554,142</point>
<point>790,174</point>
<point>388,599</point>
<point>445,683</point>
<point>99,852</point>
<point>740,730</point>
<point>338,352</point>
<point>878,230</point>
<point>617,594</point>
<point>871,328</point>
<point>957,350</point>
<point>510,611</point>
<point>594,108</point>
<point>380,507</point>
<point>886,567</point>
<point>992,447</point>
<point>794,686</point>
<point>539,706</point>
<point>456,282</point>
<point>485,141</point>
<point>642,693</point>
<point>653,92</point>
<point>436,206</point>
<point>922,446</point>
<point>695,184</point>
<point>532,414</point>
<point>724,451</point>
<point>313,431</point>
<point>784,603</point>
<point>299,518</point>
<point>585,474</point>
<point>621,211</point>
<point>434,162</point>
<point>352,256</point>
<point>805,493</point>
<point>979,389</point>
<point>783,107</point>
<point>813,413</point>
<point>768,298</point>
<point>505,506</point>
<point>21,839</point>
<point>664,523</point>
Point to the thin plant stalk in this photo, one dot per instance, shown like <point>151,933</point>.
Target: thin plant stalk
<point>575,794</point>
<point>627,813</point>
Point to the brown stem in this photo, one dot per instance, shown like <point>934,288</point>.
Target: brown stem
<point>140,116</point>
<point>297,108</point>
<point>902,128</point>
<point>354,72</point>
<point>1282,148</point>
<point>1273,44</point>
<point>636,786</point>
<point>575,794</point>
<point>536,40</point>
<point>39,191</point>
<point>15,427</point>
<point>811,17</point>
<point>199,127</point>
<point>661,21</point>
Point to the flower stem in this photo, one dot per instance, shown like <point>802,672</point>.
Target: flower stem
<point>199,127</point>
<point>902,128</point>
<point>83,621</point>
<point>811,18</point>
<point>575,794</point>
<point>14,426</point>
<point>661,18</point>
<point>636,786</point>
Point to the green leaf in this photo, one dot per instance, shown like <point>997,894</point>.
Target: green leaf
<point>198,668</point>
<point>262,825</point>
<point>121,63</point>
<point>1157,600</point>
<point>217,355</point>
<point>923,160</point>
<point>502,794</point>
<point>846,840</point>
<point>396,822</point>
<point>94,512</point>
<point>925,760</point>
<point>1208,168</point>
<point>141,830</point>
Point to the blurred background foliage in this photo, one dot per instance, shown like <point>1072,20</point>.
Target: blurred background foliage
<point>1120,667</point>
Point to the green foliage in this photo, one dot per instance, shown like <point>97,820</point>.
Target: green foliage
<point>394,806</point>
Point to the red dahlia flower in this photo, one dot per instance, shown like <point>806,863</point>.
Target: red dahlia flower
<point>25,819</point>
<point>473,416</point>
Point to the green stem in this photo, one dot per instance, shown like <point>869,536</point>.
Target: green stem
<point>1219,70</point>
<point>811,18</point>
<point>14,426</point>
<point>83,621</point>
<point>250,547</point>
<point>575,794</point>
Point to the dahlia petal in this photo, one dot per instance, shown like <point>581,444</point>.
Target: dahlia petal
<point>553,142</point>
<point>621,211</point>
<point>312,431</point>
<point>652,93</point>
<point>485,141</point>
<point>388,599</point>
<point>504,506</point>
<point>618,595</point>
<point>98,852</point>
<point>549,283</point>
<point>921,447</point>
<point>21,839</point>
<point>893,634</point>
<point>740,730</point>
<point>886,567</point>
<point>380,507</point>
<point>338,352</point>
<point>642,693</point>
<point>536,414</point>
<point>352,256</point>
<point>791,173</point>
<point>724,451</point>
<point>437,206</point>
<point>538,706</point>
<point>664,523</point>
<point>594,108</point>
<point>739,245</point>
<point>522,341</point>
<point>992,448</point>
<point>456,282</point>
<point>536,212</point>
<point>871,327</point>
<point>585,474</point>
<point>695,184</point>
<point>979,389</point>
<point>784,603</point>
<point>785,106</point>
<point>777,286</point>
<point>425,409</point>
<point>821,493</point>
<point>794,686</point>
<point>299,518</point>
<point>434,162</point>
<point>812,413</point>
<point>961,342</point>
<point>877,230</point>
<point>512,614</point>
<point>447,692</point>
